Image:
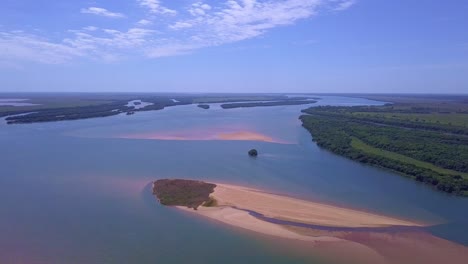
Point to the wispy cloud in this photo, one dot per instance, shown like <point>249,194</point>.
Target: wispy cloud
<point>144,22</point>
<point>155,7</point>
<point>101,12</point>
<point>26,47</point>
<point>165,31</point>
<point>238,20</point>
<point>345,5</point>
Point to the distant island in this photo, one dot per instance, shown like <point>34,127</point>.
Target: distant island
<point>204,106</point>
<point>263,104</point>
<point>423,138</point>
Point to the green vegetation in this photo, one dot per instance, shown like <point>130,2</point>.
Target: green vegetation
<point>409,138</point>
<point>360,145</point>
<point>187,193</point>
<point>204,106</point>
<point>274,103</point>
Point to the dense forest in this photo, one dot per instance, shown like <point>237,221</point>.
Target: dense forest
<point>412,141</point>
<point>189,193</point>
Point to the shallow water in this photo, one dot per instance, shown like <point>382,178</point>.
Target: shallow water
<point>73,192</point>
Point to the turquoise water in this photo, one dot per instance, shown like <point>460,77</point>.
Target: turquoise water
<point>71,192</point>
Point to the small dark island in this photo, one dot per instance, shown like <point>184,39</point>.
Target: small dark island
<point>204,106</point>
<point>253,153</point>
<point>189,193</point>
<point>130,113</point>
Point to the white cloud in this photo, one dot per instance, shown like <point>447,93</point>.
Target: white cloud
<point>199,8</point>
<point>239,20</point>
<point>155,7</point>
<point>110,43</point>
<point>18,45</point>
<point>144,22</point>
<point>181,25</point>
<point>343,5</point>
<point>196,26</point>
<point>101,12</point>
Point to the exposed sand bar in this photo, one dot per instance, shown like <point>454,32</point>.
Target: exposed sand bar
<point>301,211</point>
<point>364,242</point>
<point>234,201</point>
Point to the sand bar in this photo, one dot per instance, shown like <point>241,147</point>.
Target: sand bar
<point>296,210</point>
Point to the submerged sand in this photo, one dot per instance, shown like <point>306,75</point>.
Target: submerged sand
<point>235,202</point>
<point>203,135</point>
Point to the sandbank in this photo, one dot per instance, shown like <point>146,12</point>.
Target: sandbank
<point>296,210</point>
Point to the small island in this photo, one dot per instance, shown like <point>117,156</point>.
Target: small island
<point>204,106</point>
<point>253,153</point>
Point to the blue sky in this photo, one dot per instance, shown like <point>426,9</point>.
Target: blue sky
<point>322,46</point>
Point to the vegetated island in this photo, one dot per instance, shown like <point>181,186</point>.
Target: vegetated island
<point>50,107</point>
<point>259,104</point>
<point>253,153</point>
<point>425,139</point>
<point>204,106</point>
<point>310,222</point>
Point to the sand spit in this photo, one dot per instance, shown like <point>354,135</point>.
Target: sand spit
<point>364,242</point>
<point>301,211</point>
